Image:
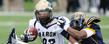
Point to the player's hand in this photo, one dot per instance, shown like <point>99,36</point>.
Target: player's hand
<point>20,42</point>
<point>29,35</point>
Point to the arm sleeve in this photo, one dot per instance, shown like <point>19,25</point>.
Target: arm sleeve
<point>31,23</point>
<point>64,23</point>
<point>89,32</point>
<point>27,37</point>
<point>65,34</point>
<point>67,23</point>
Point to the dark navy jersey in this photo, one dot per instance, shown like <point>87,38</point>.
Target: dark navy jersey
<point>94,39</point>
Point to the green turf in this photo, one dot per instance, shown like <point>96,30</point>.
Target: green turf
<point>104,24</point>
<point>21,22</point>
<point>28,5</point>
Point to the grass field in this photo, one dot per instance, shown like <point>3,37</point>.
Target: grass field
<point>21,22</point>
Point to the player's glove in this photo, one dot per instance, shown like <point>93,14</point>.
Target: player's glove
<point>26,38</point>
<point>29,35</point>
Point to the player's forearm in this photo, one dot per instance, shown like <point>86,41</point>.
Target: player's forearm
<point>75,33</point>
<point>72,40</point>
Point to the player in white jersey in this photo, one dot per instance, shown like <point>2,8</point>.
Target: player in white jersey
<point>51,32</point>
<point>49,28</point>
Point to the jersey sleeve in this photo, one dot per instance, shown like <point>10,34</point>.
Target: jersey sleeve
<point>65,34</point>
<point>64,24</point>
<point>31,22</point>
<point>92,30</point>
<point>67,23</point>
<point>89,31</point>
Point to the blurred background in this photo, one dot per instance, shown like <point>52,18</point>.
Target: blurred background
<point>17,13</point>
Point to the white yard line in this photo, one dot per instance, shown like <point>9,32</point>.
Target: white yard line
<point>104,26</point>
<point>15,23</point>
<point>8,23</point>
<point>106,41</point>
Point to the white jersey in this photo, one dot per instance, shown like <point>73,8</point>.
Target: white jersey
<point>51,33</point>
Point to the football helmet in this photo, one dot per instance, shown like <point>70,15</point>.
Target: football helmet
<point>43,11</point>
<point>77,20</point>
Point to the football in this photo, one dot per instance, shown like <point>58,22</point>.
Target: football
<point>32,31</point>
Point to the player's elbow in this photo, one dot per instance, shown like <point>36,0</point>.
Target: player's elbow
<point>85,33</point>
<point>81,35</point>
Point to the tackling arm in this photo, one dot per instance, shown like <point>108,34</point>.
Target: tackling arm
<point>72,40</point>
<point>76,34</point>
<point>84,33</point>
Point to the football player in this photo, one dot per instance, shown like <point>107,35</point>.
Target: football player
<point>50,29</point>
<point>89,30</point>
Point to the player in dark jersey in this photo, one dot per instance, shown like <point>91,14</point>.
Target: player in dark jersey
<point>79,21</point>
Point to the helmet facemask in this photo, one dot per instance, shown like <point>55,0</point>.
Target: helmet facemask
<point>77,20</point>
<point>77,24</point>
<point>45,19</point>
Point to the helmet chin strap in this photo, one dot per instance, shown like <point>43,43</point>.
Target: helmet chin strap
<point>45,20</point>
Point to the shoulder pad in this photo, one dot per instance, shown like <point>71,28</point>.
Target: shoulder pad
<point>92,19</point>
